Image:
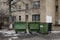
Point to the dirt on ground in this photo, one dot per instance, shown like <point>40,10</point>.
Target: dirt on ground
<point>56,28</point>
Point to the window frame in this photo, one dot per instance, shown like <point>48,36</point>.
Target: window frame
<point>36,6</point>
<point>36,17</point>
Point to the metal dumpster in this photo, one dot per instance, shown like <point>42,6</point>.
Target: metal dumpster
<point>50,27</point>
<point>34,27</point>
<point>45,28</point>
<point>20,26</point>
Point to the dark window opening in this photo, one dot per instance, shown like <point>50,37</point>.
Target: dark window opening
<point>1,18</point>
<point>20,18</point>
<point>27,7</point>
<point>36,5</point>
<point>14,18</point>
<point>36,17</point>
<point>56,8</point>
<point>26,18</point>
<point>56,0</point>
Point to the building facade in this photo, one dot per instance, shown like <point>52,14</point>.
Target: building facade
<point>36,10</point>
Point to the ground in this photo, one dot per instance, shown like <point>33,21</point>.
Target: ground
<point>33,37</point>
<point>51,36</point>
<point>56,28</point>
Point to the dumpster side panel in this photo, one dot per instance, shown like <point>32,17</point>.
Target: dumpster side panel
<point>44,28</point>
<point>34,26</point>
<point>20,25</point>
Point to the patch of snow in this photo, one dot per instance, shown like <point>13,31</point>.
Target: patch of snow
<point>0,31</point>
<point>27,31</point>
<point>8,32</point>
<point>10,26</point>
<point>14,37</point>
<point>9,39</point>
<point>55,31</point>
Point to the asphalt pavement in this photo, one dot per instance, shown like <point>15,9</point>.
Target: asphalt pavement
<point>11,35</point>
<point>52,36</point>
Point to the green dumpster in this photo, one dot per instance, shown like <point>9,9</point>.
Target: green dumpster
<point>44,28</point>
<point>20,26</point>
<point>50,27</point>
<point>34,26</point>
